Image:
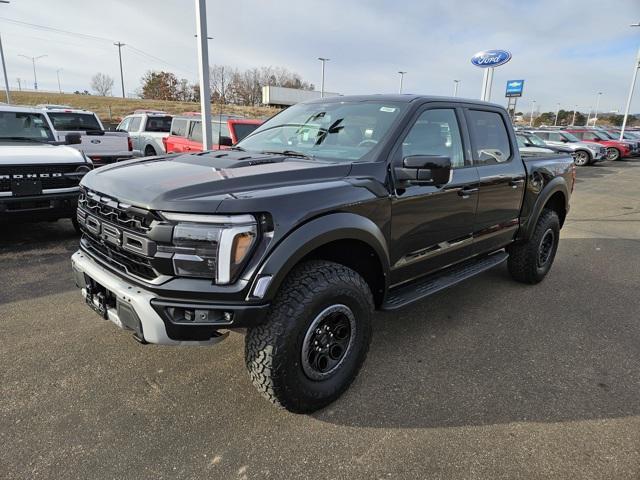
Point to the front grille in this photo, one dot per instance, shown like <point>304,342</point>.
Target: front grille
<point>116,234</point>
<point>105,208</point>
<point>51,176</point>
<point>118,258</point>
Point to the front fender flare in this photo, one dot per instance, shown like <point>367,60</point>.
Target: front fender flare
<point>314,234</point>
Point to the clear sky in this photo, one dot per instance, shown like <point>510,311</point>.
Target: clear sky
<point>566,50</point>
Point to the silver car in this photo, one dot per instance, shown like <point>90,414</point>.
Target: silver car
<point>584,153</point>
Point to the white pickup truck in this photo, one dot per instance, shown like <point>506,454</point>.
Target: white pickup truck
<point>101,146</point>
<point>146,130</point>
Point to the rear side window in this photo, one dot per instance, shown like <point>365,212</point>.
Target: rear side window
<point>134,126</point>
<point>196,132</point>
<point>543,135</point>
<point>158,124</point>
<point>490,137</point>
<point>179,127</point>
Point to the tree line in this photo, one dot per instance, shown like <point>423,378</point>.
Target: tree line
<point>227,84</point>
<point>565,118</point>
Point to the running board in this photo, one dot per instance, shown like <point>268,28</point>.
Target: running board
<point>423,287</point>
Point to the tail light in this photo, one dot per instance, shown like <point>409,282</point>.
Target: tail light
<point>130,143</point>
<point>164,144</point>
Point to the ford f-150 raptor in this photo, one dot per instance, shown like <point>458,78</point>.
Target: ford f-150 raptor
<point>329,210</point>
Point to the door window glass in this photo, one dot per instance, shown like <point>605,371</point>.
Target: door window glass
<point>134,126</point>
<point>491,140</point>
<point>436,132</point>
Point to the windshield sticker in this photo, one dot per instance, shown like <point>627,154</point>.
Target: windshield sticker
<point>387,109</point>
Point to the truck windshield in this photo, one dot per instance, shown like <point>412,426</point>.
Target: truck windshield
<point>24,126</point>
<point>336,130</point>
<point>158,124</point>
<point>74,122</point>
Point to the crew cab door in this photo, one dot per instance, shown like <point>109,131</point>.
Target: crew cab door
<point>432,226</point>
<point>502,178</point>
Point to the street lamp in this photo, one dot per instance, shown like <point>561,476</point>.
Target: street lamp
<point>58,74</point>
<point>401,80</point>
<point>573,120</point>
<point>455,87</point>
<point>33,60</point>
<point>555,122</point>
<point>323,60</point>
<point>595,115</point>
<point>533,106</point>
<point>4,66</point>
<point>636,66</point>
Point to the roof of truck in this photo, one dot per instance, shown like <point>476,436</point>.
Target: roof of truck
<point>399,97</point>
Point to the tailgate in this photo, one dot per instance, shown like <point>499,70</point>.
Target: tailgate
<point>99,143</point>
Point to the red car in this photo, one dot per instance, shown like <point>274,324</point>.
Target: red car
<point>186,133</point>
<point>615,148</point>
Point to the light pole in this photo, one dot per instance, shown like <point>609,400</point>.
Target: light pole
<point>533,106</point>
<point>455,87</point>
<point>573,120</point>
<point>555,122</point>
<point>595,114</point>
<point>401,80</point>
<point>323,60</point>
<point>203,73</point>
<point>4,66</point>
<point>636,66</point>
<point>588,116</point>
<point>58,74</point>
<point>33,60</point>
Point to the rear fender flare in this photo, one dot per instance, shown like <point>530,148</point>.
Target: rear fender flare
<point>557,184</point>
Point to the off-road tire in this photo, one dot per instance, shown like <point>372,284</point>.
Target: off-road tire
<point>149,151</point>
<point>273,350</point>
<point>524,265</point>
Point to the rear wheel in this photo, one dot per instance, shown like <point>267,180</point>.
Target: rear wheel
<point>613,153</point>
<point>149,151</point>
<point>530,262</point>
<point>581,158</point>
<point>315,338</point>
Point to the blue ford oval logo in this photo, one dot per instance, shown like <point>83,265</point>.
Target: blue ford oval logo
<point>490,58</point>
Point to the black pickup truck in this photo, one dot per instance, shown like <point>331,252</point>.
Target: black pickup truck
<point>330,210</point>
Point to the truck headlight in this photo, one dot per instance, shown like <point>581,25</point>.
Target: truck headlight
<point>211,246</point>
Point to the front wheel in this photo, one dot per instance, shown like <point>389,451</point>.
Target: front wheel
<point>613,153</point>
<point>529,262</point>
<point>315,338</point>
<point>581,158</point>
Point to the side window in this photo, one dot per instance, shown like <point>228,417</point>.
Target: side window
<point>589,136</point>
<point>580,135</point>
<point>436,132</point>
<point>124,124</point>
<point>179,127</point>
<point>134,126</point>
<point>544,135</point>
<point>196,132</point>
<point>555,137</point>
<point>490,137</point>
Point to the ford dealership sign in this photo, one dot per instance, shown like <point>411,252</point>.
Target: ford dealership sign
<point>490,58</point>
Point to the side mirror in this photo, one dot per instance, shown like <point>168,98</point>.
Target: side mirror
<point>72,139</point>
<point>425,170</point>
<point>226,141</point>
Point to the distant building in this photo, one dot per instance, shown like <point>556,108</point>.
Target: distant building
<point>285,97</point>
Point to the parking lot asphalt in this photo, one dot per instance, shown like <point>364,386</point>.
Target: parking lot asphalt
<point>489,379</point>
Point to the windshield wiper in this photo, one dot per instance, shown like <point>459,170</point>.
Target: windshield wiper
<point>289,153</point>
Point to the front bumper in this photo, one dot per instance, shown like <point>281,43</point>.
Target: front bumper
<point>149,316</point>
<point>47,206</point>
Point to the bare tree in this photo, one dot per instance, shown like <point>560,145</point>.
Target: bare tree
<point>102,84</point>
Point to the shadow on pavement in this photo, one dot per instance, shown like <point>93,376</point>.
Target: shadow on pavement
<point>494,351</point>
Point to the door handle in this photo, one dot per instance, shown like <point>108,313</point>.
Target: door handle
<point>515,183</point>
<point>466,191</point>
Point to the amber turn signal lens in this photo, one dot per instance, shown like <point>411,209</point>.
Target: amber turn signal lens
<point>241,245</point>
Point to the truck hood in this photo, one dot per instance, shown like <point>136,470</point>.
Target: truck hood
<point>38,154</point>
<point>200,182</point>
